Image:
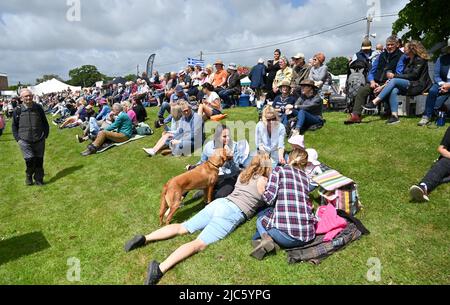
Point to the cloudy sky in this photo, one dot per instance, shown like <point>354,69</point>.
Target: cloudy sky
<point>37,37</point>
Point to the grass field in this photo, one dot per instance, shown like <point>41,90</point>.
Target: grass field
<point>91,206</point>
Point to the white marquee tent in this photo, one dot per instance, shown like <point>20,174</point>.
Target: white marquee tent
<point>51,86</point>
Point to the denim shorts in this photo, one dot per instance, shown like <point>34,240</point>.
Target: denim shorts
<point>217,220</point>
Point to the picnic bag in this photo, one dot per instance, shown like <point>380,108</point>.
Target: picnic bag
<point>143,130</point>
<point>340,191</point>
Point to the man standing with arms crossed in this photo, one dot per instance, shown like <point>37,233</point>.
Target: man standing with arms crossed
<point>30,129</point>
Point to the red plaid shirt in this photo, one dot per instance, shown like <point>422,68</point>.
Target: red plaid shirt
<point>292,214</point>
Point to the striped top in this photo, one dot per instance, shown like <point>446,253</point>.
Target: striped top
<point>292,214</point>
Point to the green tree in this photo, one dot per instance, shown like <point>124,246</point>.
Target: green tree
<point>130,77</point>
<point>338,65</point>
<point>425,20</point>
<point>47,77</point>
<point>85,76</point>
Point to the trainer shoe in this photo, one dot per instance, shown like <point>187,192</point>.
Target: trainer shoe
<point>353,119</point>
<point>149,151</point>
<point>393,120</point>
<point>154,274</point>
<point>424,121</point>
<point>369,106</point>
<point>134,243</point>
<point>419,193</point>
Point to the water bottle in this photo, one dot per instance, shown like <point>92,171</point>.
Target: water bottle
<point>441,119</point>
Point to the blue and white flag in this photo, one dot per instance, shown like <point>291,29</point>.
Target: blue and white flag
<point>194,62</point>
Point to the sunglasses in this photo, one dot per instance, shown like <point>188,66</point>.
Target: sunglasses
<point>271,120</point>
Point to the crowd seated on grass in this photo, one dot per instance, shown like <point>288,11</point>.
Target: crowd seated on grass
<point>211,104</point>
<point>413,80</point>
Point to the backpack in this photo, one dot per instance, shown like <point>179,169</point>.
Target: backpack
<point>144,130</point>
<point>355,81</point>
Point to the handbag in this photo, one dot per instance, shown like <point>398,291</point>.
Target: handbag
<point>143,130</point>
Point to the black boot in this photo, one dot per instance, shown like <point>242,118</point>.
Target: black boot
<point>39,172</point>
<point>91,149</point>
<point>29,171</point>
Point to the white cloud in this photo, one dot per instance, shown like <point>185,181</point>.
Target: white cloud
<point>117,35</point>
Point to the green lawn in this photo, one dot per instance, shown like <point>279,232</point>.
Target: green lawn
<point>91,206</point>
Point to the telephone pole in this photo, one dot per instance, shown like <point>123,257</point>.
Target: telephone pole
<point>369,21</point>
<point>201,55</point>
<point>137,70</point>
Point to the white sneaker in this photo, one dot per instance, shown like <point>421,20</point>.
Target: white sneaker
<point>424,121</point>
<point>418,194</point>
<point>149,151</point>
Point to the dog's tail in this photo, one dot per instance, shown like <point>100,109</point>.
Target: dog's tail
<point>163,207</point>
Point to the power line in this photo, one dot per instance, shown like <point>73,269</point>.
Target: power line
<point>272,44</point>
<point>296,38</point>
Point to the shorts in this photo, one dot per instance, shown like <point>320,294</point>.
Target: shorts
<point>217,220</point>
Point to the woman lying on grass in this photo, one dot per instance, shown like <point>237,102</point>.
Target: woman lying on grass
<point>216,220</point>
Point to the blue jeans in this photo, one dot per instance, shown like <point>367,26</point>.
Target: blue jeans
<point>280,237</point>
<point>94,129</point>
<point>225,96</point>
<point>165,106</point>
<point>395,87</point>
<point>306,119</point>
<point>435,100</point>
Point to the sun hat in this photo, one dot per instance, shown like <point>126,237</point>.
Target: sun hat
<point>103,101</point>
<point>218,62</point>
<point>308,82</point>
<point>179,89</point>
<point>284,83</point>
<point>181,72</point>
<point>313,156</point>
<point>299,55</point>
<point>232,66</point>
<point>260,61</point>
<point>297,140</point>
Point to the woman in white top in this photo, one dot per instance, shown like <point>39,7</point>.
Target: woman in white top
<point>211,104</point>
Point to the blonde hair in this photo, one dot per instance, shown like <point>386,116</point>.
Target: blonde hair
<point>261,166</point>
<point>176,112</point>
<point>418,49</point>
<point>269,110</point>
<point>126,104</point>
<point>298,158</point>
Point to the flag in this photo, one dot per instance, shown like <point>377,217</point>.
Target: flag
<point>194,62</point>
<point>150,61</point>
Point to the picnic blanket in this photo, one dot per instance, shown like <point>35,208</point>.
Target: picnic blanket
<point>135,137</point>
<point>332,180</point>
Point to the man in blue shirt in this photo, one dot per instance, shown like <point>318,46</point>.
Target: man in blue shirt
<point>388,61</point>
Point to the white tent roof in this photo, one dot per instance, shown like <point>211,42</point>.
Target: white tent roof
<point>245,81</point>
<point>51,86</point>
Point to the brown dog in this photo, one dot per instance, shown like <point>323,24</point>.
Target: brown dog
<point>203,177</point>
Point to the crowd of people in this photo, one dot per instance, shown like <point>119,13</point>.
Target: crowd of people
<point>269,181</point>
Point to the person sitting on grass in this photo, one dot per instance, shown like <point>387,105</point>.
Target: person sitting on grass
<point>78,117</point>
<point>281,101</point>
<point>130,112</point>
<point>122,125</point>
<point>168,134</point>
<point>414,80</point>
<point>308,108</point>
<point>217,220</point>
<point>438,174</point>
<point>104,110</point>
<point>211,104</point>
<point>188,137</point>
<point>440,92</point>
<point>230,171</point>
<point>270,135</point>
<point>291,222</point>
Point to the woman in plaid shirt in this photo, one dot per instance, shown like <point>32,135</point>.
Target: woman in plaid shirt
<point>291,222</point>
